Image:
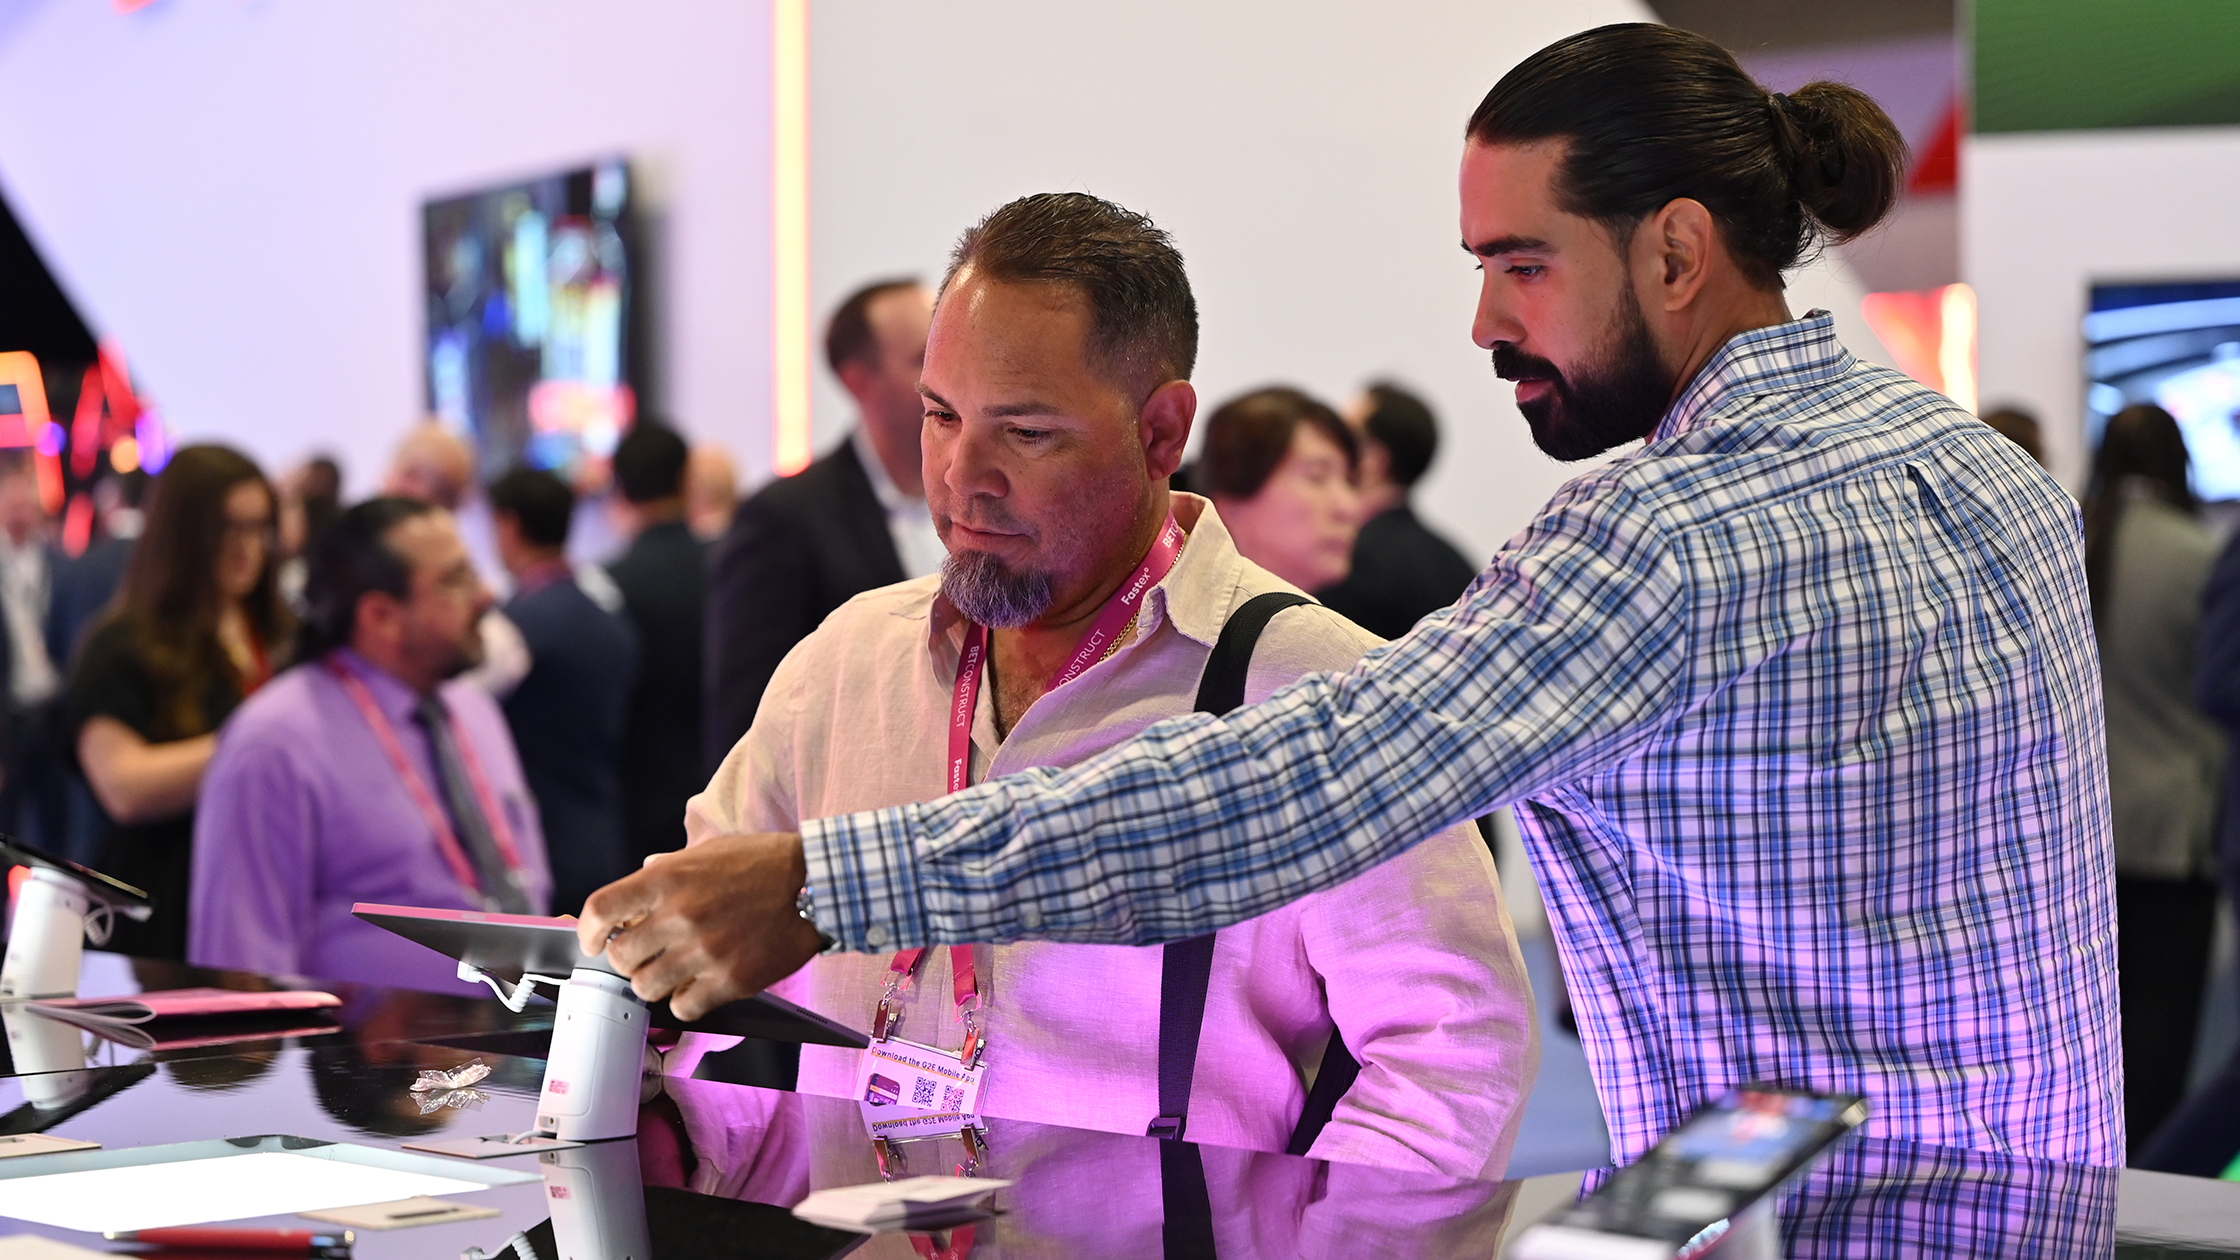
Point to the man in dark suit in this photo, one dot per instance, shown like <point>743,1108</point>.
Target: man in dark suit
<point>663,578</point>
<point>567,713</point>
<point>1401,570</point>
<point>852,521</point>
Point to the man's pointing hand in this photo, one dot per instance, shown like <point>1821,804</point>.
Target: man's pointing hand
<point>708,925</point>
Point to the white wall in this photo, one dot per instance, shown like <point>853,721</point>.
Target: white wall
<point>232,189</point>
<point>2045,215</point>
<point>1304,156</point>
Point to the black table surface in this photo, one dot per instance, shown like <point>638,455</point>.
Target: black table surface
<point>716,1166</point>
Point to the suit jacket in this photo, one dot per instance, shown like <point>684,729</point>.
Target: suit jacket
<point>567,718</point>
<point>2217,688</point>
<point>82,589</point>
<point>801,547</point>
<point>1401,571</point>
<point>663,578</point>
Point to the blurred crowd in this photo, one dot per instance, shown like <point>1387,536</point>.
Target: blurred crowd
<point>432,658</point>
<point>372,686</point>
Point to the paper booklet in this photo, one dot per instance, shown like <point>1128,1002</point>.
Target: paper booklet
<point>128,1020</point>
<point>912,1203</point>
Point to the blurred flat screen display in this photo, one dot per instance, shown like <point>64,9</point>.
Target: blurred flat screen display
<point>529,316</point>
<point>2176,344</point>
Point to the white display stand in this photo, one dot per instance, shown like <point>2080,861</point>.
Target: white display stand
<point>46,936</point>
<point>594,1075</point>
<point>594,1078</point>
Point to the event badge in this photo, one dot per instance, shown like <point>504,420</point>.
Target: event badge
<point>911,1091</point>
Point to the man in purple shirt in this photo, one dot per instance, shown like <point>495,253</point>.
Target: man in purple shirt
<point>365,773</point>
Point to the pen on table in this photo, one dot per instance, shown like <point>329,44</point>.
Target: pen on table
<point>293,1242</point>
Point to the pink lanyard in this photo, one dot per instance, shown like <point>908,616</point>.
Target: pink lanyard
<point>1112,622</point>
<point>417,787</point>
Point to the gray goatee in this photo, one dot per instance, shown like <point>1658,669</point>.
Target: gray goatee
<point>991,592</point>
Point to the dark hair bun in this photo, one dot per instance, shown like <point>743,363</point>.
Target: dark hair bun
<point>1846,159</point>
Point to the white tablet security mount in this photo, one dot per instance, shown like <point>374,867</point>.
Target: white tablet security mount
<point>594,1074</point>
<point>58,906</point>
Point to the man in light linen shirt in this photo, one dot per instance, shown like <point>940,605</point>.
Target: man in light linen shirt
<point>1057,403</point>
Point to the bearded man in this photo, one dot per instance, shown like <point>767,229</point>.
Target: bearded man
<point>1797,702</point>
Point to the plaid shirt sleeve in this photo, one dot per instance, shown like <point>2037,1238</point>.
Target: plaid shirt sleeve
<point>1556,661</point>
<point>1801,713</point>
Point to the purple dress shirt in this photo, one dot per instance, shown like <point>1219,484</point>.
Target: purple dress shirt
<point>302,815</point>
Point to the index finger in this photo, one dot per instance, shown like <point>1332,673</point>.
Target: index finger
<point>613,908</point>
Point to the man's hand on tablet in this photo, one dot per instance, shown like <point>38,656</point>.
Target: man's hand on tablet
<point>706,925</point>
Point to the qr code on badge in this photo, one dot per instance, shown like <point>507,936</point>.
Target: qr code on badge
<point>952,1098</point>
<point>921,1092</point>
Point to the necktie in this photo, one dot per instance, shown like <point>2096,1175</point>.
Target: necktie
<point>499,891</point>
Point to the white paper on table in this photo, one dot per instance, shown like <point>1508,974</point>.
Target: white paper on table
<point>33,1247</point>
<point>202,1191</point>
<point>885,1204</point>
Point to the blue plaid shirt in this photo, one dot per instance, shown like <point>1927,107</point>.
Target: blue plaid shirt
<point>1800,712</point>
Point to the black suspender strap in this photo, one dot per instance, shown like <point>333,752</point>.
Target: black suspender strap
<point>1187,965</point>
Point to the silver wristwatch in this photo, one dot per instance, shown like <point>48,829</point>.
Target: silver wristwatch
<point>804,905</point>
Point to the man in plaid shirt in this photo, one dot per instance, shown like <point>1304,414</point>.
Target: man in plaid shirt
<point>1797,703</point>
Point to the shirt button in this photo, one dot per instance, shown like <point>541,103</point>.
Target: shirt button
<point>876,937</point>
<point>1030,918</point>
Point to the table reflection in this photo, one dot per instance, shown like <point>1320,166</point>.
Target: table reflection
<point>1080,1194</point>
<point>1875,1197</point>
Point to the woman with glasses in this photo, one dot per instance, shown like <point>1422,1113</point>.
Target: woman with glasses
<point>194,629</point>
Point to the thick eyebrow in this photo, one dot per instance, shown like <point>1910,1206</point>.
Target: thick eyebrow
<point>1001,410</point>
<point>1507,245</point>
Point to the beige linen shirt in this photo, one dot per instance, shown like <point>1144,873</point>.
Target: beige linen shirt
<point>1414,963</point>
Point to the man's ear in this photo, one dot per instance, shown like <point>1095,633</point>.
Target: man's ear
<point>856,377</point>
<point>1672,253</point>
<point>377,617</point>
<point>1164,425</point>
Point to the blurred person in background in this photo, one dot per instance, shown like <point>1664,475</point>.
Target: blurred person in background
<point>310,499</point>
<point>435,465</point>
<point>371,771</point>
<point>2147,561</point>
<point>84,586</point>
<point>2019,427</point>
<point>33,805</point>
<point>1401,570</point>
<point>196,628</point>
<point>567,716</point>
<point>83,589</point>
<point>711,491</point>
<point>1280,468</point>
<point>2202,1137</point>
<point>853,520</point>
<point>663,577</point>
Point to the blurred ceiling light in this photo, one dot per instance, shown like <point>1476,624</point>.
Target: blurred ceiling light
<point>789,219</point>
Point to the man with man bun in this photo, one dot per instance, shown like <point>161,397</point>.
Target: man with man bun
<point>1797,701</point>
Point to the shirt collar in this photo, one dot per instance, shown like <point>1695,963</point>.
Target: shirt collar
<point>395,700</point>
<point>542,574</point>
<point>1195,596</point>
<point>890,496</point>
<point>1788,356</point>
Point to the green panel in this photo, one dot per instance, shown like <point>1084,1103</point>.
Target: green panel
<point>2069,65</point>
